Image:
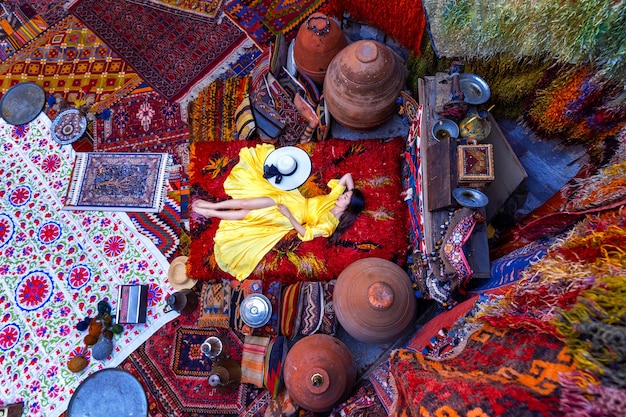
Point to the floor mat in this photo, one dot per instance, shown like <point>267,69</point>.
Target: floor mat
<point>174,373</point>
<point>263,19</point>
<point>381,230</point>
<point>171,50</point>
<point>56,266</point>
<point>70,60</point>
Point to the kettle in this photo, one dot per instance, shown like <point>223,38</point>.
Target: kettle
<point>184,302</point>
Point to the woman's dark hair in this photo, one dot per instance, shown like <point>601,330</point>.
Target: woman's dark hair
<point>349,216</point>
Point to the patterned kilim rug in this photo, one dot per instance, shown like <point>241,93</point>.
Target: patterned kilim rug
<point>174,373</point>
<point>381,230</point>
<point>56,267</point>
<point>18,28</point>
<point>263,19</point>
<point>51,11</point>
<point>488,378</point>
<point>209,9</point>
<point>144,122</point>
<point>162,228</point>
<point>172,52</point>
<point>212,113</point>
<point>70,60</point>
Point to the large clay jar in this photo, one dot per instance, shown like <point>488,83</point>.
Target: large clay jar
<point>319,372</point>
<point>374,300</point>
<point>363,83</point>
<point>318,40</point>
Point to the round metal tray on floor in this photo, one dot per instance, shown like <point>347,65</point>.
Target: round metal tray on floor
<point>22,103</point>
<point>109,392</point>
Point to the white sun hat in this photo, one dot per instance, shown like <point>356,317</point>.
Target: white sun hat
<point>287,168</point>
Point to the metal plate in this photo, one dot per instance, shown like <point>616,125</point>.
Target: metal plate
<point>109,392</point>
<point>255,310</point>
<point>475,89</point>
<point>68,126</point>
<point>470,197</point>
<point>22,103</point>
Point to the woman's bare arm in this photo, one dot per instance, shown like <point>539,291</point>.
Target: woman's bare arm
<point>347,180</point>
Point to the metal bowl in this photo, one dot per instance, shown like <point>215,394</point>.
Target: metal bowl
<point>470,197</point>
<point>444,129</point>
<point>475,89</point>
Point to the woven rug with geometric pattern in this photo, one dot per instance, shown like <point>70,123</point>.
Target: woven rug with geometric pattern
<point>500,372</point>
<point>71,60</point>
<point>172,51</point>
<point>174,373</point>
<point>263,19</point>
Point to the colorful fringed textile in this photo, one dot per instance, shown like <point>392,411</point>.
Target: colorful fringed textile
<point>70,60</point>
<point>18,29</point>
<point>207,9</point>
<point>579,107</point>
<point>578,32</point>
<point>381,230</point>
<point>212,113</point>
<point>50,10</point>
<point>253,360</point>
<point>263,19</point>
<point>56,266</point>
<point>403,20</point>
<point>488,378</point>
<point>174,53</point>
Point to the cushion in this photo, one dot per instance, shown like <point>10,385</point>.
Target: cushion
<point>290,310</point>
<point>451,252</point>
<point>307,112</point>
<point>295,123</point>
<point>329,320</point>
<point>253,360</point>
<point>323,117</point>
<point>278,54</point>
<point>244,120</point>
<point>269,123</point>
<point>274,358</point>
<point>312,300</point>
<point>215,301</point>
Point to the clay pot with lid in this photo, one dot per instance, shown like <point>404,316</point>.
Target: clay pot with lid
<point>363,83</point>
<point>319,372</point>
<point>318,40</point>
<point>374,300</point>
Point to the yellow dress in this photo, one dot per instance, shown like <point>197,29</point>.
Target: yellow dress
<point>241,244</point>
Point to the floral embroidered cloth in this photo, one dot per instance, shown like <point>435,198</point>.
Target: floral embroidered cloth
<point>55,266</point>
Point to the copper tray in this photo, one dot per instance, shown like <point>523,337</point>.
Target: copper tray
<point>22,103</point>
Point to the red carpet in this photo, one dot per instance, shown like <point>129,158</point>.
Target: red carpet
<point>489,378</point>
<point>171,51</point>
<point>174,374</point>
<point>381,230</point>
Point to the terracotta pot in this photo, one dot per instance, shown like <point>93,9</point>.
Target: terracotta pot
<point>319,372</point>
<point>374,300</point>
<point>363,83</point>
<point>318,40</point>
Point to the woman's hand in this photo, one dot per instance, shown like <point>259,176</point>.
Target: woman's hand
<point>347,181</point>
<point>284,210</point>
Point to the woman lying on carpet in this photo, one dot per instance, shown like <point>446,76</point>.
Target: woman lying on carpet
<point>265,205</point>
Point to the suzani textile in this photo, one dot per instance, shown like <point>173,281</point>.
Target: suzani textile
<point>55,266</point>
